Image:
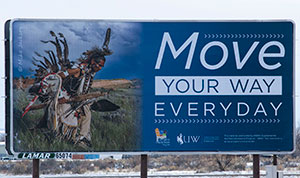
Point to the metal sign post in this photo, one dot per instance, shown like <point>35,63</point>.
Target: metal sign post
<point>275,160</point>
<point>144,165</point>
<point>255,166</point>
<point>35,168</point>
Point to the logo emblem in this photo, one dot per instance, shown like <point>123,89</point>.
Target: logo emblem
<point>179,139</point>
<point>161,137</point>
<point>190,139</point>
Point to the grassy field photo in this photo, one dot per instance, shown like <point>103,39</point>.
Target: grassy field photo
<point>110,131</point>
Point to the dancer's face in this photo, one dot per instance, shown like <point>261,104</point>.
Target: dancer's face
<point>97,66</point>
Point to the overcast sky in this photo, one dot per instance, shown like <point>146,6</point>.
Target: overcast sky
<point>151,10</point>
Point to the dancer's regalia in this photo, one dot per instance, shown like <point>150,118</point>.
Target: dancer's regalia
<point>58,80</point>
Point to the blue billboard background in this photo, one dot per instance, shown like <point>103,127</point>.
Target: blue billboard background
<point>262,132</point>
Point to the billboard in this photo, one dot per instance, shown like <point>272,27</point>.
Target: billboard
<point>123,86</point>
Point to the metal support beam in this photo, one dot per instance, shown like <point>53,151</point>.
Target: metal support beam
<point>35,168</point>
<point>255,166</point>
<point>144,166</point>
<point>275,160</point>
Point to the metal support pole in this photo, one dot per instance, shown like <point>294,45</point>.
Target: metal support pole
<point>35,168</point>
<point>275,160</point>
<point>255,166</point>
<point>144,166</point>
<point>275,163</point>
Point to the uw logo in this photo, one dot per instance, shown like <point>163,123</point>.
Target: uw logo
<point>181,139</point>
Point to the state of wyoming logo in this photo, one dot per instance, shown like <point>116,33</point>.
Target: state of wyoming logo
<point>161,137</point>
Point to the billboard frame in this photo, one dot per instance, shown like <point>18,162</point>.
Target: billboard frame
<point>9,93</point>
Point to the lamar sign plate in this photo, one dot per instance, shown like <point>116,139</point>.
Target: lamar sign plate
<point>117,86</point>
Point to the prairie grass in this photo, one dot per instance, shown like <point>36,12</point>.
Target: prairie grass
<point>110,131</point>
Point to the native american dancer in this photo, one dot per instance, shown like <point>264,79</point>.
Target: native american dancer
<point>62,86</point>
